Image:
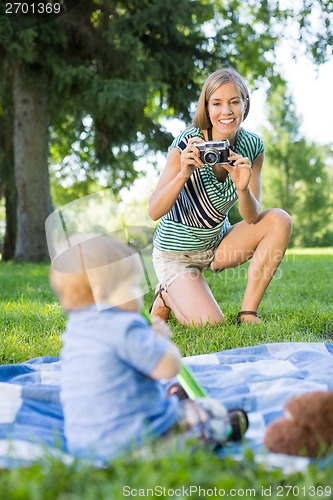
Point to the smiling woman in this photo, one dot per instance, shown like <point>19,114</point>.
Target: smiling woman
<point>193,198</point>
<point>226,110</point>
<point>230,103</point>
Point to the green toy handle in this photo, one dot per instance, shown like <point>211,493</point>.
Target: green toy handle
<point>190,384</point>
<point>185,376</point>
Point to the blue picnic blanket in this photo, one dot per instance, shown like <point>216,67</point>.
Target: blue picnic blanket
<point>259,379</point>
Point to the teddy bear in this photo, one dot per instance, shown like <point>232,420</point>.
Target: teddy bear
<point>306,428</point>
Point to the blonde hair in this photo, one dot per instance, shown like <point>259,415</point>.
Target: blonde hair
<point>91,270</point>
<point>213,82</point>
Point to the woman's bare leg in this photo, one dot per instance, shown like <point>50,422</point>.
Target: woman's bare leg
<point>191,300</point>
<point>265,243</point>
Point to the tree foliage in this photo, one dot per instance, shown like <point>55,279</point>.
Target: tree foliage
<point>315,19</point>
<point>127,65</point>
<point>298,174</point>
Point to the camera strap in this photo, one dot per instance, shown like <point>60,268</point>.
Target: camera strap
<point>210,137</point>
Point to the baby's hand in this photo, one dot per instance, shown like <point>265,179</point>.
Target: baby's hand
<point>161,328</point>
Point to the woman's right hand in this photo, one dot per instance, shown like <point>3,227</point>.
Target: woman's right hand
<point>190,158</point>
<point>178,168</point>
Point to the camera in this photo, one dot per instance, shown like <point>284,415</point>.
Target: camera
<point>212,152</point>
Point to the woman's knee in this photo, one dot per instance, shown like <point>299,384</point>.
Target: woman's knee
<point>207,314</point>
<point>193,302</point>
<point>279,220</point>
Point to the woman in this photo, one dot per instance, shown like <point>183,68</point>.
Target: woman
<point>193,198</point>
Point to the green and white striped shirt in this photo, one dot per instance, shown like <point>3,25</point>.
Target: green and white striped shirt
<point>199,218</point>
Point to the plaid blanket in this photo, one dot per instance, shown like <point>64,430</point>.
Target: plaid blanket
<point>258,379</point>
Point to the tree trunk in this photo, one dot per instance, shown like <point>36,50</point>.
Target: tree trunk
<point>8,175</point>
<point>8,247</point>
<point>31,123</point>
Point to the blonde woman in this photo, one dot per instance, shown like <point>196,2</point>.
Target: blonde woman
<point>192,200</point>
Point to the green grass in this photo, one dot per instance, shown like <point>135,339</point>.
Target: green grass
<point>297,307</point>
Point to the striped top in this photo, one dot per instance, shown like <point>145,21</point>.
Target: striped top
<point>199,218</point>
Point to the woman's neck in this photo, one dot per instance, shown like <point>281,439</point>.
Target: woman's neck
<point>215,137</point>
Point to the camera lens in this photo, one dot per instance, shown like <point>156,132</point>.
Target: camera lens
<point>211,156</point>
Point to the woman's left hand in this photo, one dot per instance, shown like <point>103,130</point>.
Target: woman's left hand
<point>240,171</point>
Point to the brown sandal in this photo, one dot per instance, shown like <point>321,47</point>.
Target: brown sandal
<point>165,313</point>
<point>244,313</point>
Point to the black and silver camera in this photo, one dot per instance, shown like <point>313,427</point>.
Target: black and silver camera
<point>212,152</point>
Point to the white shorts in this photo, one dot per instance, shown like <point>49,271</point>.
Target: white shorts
<point>170,265</point>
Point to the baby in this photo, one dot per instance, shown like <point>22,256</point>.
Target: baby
<point>113,360</point>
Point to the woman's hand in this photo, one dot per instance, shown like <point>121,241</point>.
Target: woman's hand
<point>178,168</point>
<point>190,158</point>
<point>240,171</point>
